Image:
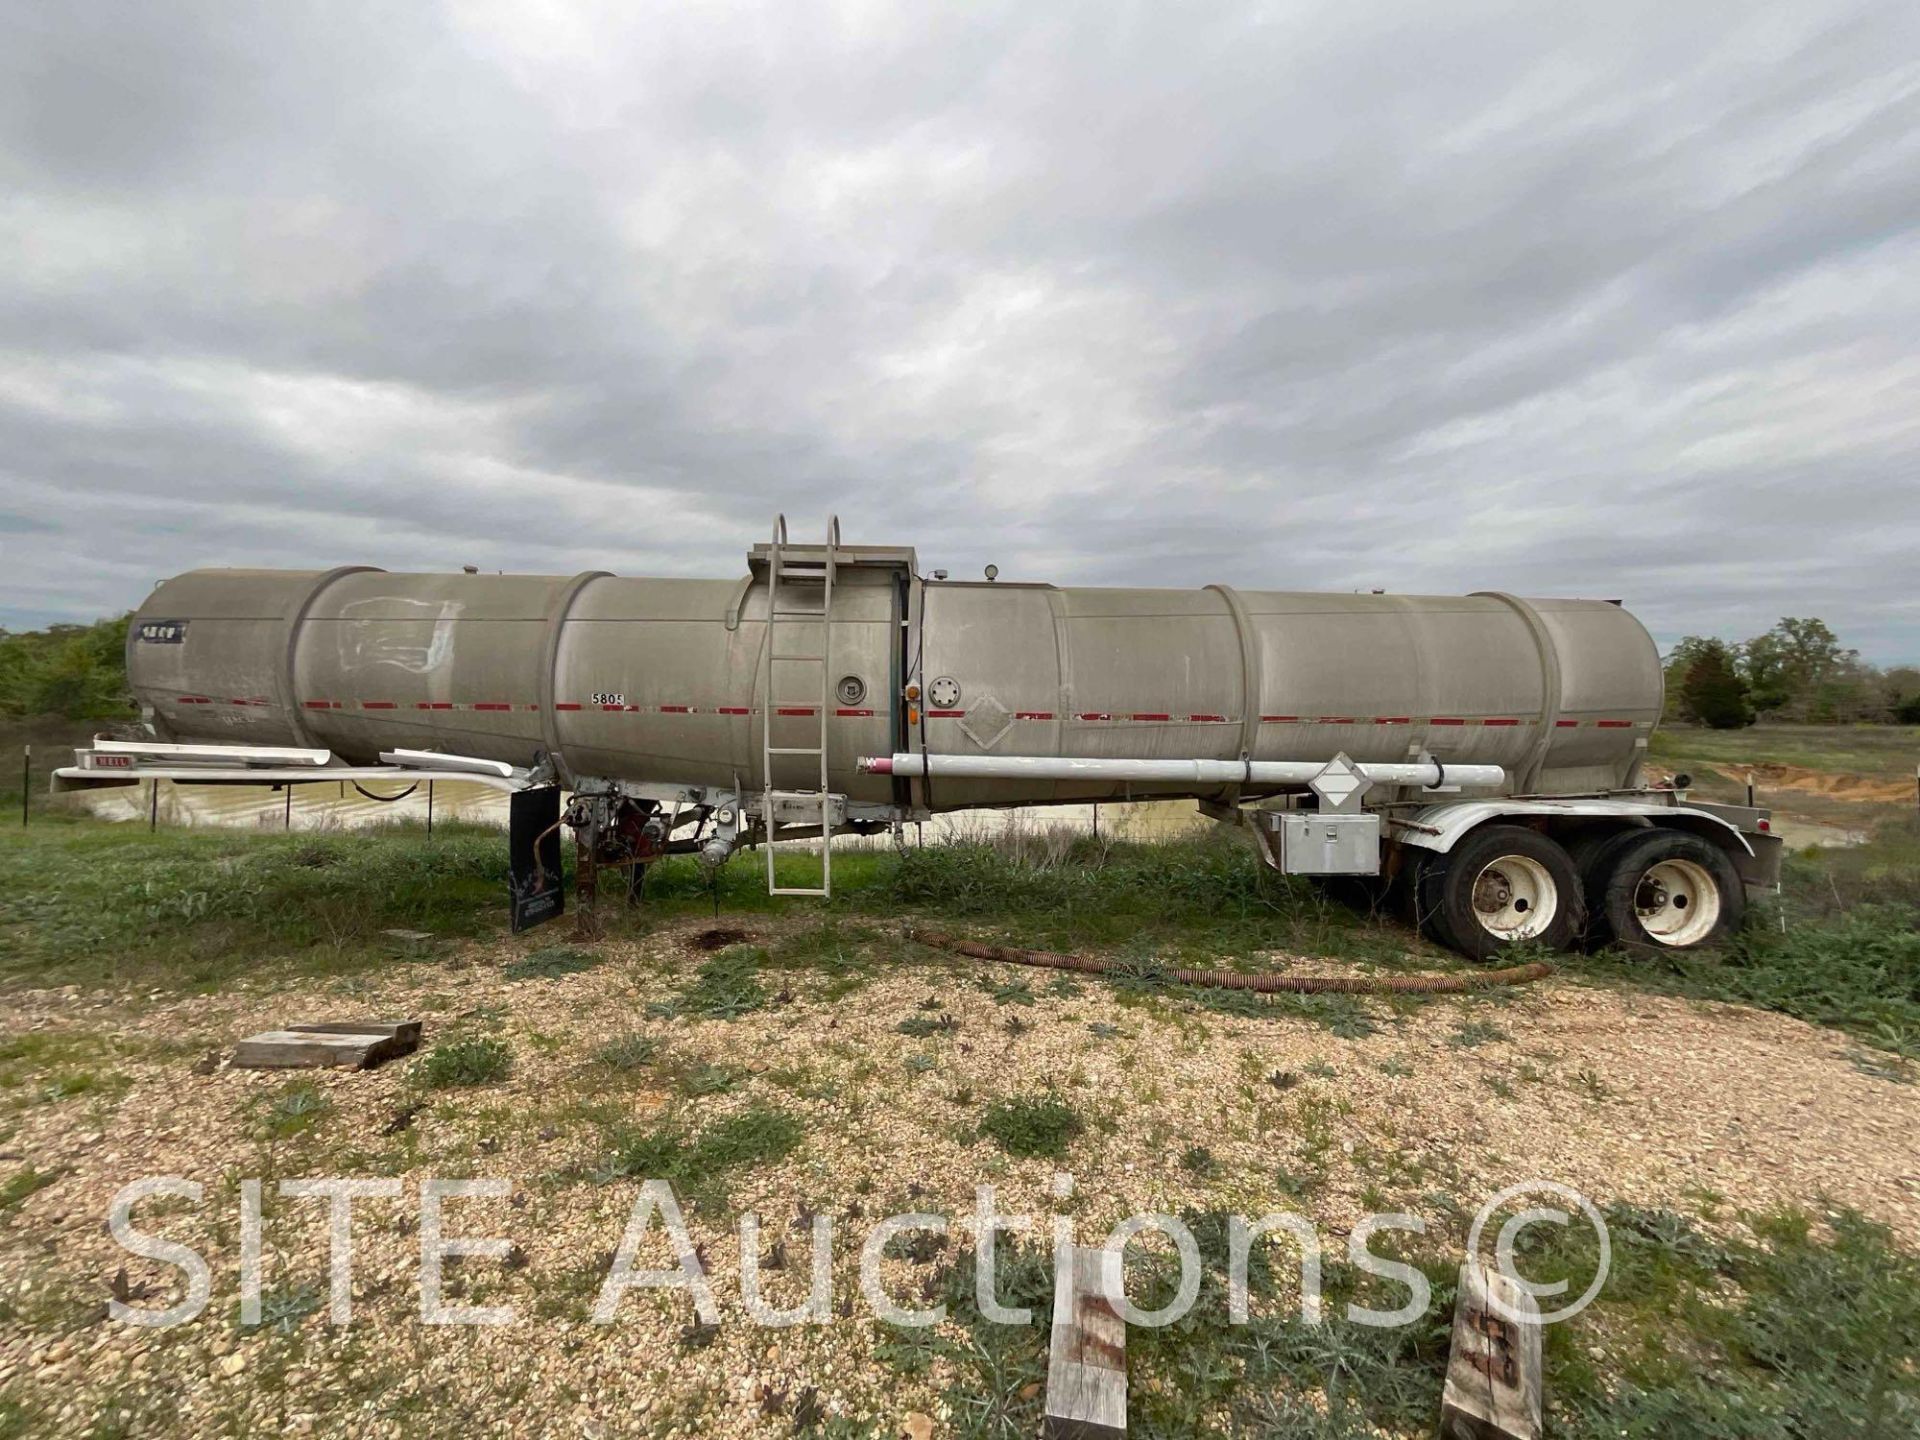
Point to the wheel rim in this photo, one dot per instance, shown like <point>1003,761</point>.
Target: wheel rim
<point>1515,898</point>
<point>1677,903</point>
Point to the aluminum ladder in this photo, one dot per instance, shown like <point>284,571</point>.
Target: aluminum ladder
<point>792,581</point>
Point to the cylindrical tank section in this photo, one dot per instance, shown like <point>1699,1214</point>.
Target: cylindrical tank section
<point>662,681</point>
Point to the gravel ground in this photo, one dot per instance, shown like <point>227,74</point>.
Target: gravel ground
<point>1623,1096</point>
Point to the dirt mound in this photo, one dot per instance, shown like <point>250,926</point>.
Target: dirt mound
<point>1864,789</point>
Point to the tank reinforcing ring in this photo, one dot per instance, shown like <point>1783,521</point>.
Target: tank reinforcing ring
<point>1515,898</point>
<point>1678,903</point>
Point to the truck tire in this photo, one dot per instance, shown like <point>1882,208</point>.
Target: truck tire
<point>1665,891</point>
<point>1501,886</point>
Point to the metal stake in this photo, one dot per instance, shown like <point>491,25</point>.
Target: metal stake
<point>26,782</point>
<point>153,806</point>
<point>429,809</point>
<point>289,824</point>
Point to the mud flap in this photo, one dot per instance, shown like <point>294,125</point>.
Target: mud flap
<point>538,884</point>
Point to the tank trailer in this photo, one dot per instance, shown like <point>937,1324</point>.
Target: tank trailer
<point>1477,759</point>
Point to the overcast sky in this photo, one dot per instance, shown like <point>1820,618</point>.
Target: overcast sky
<point>1617,300</point>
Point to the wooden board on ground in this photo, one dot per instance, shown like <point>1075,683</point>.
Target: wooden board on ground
<point>411,939</point>
<point>358,1044</point>
<point>1087,1363</point>
<point>1493,1374</point>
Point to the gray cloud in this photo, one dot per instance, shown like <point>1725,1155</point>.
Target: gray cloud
<point>1615,302</point>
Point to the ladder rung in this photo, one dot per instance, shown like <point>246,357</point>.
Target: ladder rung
<point>795,750</point>
<point>794,890</point>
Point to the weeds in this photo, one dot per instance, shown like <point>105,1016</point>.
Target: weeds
<point>550,963</point>
<point>296,1110</point>
<point>477,1060</point>
<point>1032,1126</point>
<point>18,1186</point>
<point>725,988</point>
<point>627,1053</point>
<point>694,1165</point>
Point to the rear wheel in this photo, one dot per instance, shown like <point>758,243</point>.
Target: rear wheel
<point>1666,890</point>
<point>1501,886</point>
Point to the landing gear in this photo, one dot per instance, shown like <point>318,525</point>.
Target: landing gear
<point>1501,886</point>
<point>1659,891</point>
<point>616,834</point>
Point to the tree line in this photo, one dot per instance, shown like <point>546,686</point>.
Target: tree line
<point>76,672</point>
<point>1797,672</point>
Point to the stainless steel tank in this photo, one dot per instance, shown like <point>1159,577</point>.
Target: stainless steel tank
<point>662,680</point>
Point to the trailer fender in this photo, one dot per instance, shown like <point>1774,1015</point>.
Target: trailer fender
<point>1440,827</point>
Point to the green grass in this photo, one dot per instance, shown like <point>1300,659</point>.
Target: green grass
<point>1886,751</point>
<point>198,910</point>
<point>550,963</point>
<point>697,1164</point>
<point>194,910</point>
<point>725,987</point>
<point>17,1187</point>
<point>475,1060</point>
<point>627,1053</point>
<point>1809,1329</point>
<point>1037,1125</point>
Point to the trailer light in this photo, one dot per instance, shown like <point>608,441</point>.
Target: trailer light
<point>913,692</point>
<point>1766,826</point>
<point>913,715</point>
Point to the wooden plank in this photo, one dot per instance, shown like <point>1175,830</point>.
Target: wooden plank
<point>415,940</point>
<point>1087,1362</point>
<point>407,1032</point>
<point>295,1049</point>
<point>1493,1389</point>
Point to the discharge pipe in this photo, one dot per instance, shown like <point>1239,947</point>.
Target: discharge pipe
<point>1428,774</point>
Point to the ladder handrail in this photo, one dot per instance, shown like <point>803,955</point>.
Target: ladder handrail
<point>770,656</point>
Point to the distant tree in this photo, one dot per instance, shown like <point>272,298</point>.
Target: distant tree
<point>1900,689</point>
<point>1686,653</point>
<point>1800,671</point>
<point>78,672</point>
<point>1712,692</point>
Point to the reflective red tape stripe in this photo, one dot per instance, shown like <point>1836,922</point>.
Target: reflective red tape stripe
<point>1336,720</point>
<point>1033,715</point>
<point>1393,719</point>
<point>735,710</point>
<point>1279,719</point>
<point>1614,724</point>
<point>1093,715</point>
<point>676,709</point>
<point>491,705</point>
<point>1566,724</point>
<point>566,704</point>
<point>1501,721</point>
<point>318,704</point>
<point>1207,719</point>
<point>853,714</point>
<point>808,710</point>
<point>378,705</point>
<point>195,700</point>
<point>1445,720</point>
<point>1149,715</point>
<point>931,714</point>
